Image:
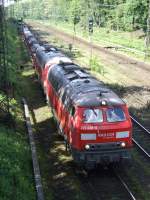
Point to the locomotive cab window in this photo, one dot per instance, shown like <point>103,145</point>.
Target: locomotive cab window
<point>92,116</point>
<point>115,115</point>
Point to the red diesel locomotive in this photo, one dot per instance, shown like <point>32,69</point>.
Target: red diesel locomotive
<point>93,120</point>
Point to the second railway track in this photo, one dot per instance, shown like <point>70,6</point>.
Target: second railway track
<point>141,137</point>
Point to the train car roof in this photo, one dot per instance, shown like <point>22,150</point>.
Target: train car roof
<point>28,34</point>
<point>48,47</point>
<point>45,56</point>
<point>32,41</point>
<point>81,88</point>
<point>35,47</point>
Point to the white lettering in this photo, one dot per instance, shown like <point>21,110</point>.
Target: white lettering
<point>106,135</point>
<point>89,128</point>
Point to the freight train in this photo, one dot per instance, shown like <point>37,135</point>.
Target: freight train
<point>93,120</point>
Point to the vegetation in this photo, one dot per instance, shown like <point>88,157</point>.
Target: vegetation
<point>106,37</point>
<point>127,15</point>
<point>15,166</point>
<point>122,22</point>
<point>15,156</point>
<point>95,66</point>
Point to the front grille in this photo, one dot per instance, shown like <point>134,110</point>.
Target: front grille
<point>105,146</point>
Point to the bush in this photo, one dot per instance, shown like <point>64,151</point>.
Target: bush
<point>95,66</point>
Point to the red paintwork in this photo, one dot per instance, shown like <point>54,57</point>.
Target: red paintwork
<point>73,126</point>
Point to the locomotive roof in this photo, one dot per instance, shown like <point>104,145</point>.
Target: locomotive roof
<point>49,47</point>
<point>44,55</point>
<point>34,47</point>
<point>32,41</point>
<point>79,87</point>
<point>28,34</point>
<point>25,28</point>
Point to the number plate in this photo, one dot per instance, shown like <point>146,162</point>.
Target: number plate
<point>106,135</point>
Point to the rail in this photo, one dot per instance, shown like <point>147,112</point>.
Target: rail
<point>141,148</point>
<point>140,125</point>
<point>133,139</point>
<point>125,185</point>
<point>117,46</point>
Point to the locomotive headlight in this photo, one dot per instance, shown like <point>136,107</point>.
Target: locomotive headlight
<point>87,146</point>
<point>103,103</point>
<point>123,144</point>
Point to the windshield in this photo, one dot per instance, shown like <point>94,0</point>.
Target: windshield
<point>92,116</point>
<point>115,115</point>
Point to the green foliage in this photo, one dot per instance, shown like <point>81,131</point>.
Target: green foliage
<point>2,97</point>
<point>16,180</point>
<point>125,15</point>
<point>95,66</point>
<point>13,107</point>
<point>13,53</point>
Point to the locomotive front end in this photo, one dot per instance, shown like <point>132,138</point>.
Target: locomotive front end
<point>104,135</point>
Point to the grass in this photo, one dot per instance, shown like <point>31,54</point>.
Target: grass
<point>15,166</point>
<point>107,37</point>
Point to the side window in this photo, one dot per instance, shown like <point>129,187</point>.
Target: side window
<point>67,102</point>
<point>72,110</point>
<point>53,80</point>
<point>50,77</point>
<point>40,61</point>
<point>63,97</point>
<point>55,84</point>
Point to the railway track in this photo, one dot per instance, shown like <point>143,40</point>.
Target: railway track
<point>141,137</point>
<point>102,180</point>
<point>125,185</point>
